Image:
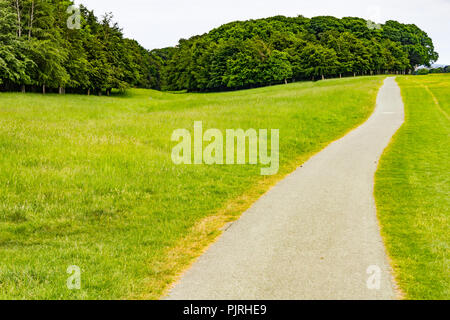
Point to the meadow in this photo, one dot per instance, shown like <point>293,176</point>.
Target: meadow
<point>89,181</point>
<point>412,190</point>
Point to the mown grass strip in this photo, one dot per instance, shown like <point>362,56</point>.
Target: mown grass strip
<point>413,187</point>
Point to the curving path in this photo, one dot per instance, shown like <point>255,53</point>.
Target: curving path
<point>315,234</point>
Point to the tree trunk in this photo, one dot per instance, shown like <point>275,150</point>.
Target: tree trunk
<point>43,89</point>
<point>354,74</point>
<point>323,77</point>
<point>340,75</point>
<point>60,90</point>
<point>19,20</point>
<point>31,20</point>
<point>285,81</point>
<point>89,92</point>
<point>23,88</point>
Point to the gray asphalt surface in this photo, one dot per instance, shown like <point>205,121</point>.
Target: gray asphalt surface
<point>315,234</point>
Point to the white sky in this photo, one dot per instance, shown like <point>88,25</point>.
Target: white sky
<point>157,24</point>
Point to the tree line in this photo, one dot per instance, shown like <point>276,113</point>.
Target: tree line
<point>425,71</point>
<point>253,53</point>
<point>39,52</point>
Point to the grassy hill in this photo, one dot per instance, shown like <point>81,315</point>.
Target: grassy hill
<point>89,181</point>
<point>412,190</point>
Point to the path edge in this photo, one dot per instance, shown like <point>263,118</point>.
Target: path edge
<point>208,230</point>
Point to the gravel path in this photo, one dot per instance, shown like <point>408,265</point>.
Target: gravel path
<point>315,235</point>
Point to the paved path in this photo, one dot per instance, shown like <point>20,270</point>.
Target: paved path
<point>315,234</point>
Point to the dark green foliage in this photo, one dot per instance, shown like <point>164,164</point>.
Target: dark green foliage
<point>13,61</point>
<point>415,42</point>
<point>423,71</point>
<point>39,51</point>
<point>445,69</point>
<point>246,54</point>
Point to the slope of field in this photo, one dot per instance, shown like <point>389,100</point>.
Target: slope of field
<point>413,188</point>
<point>89,181</point>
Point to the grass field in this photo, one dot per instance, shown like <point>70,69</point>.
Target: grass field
<point>89,181</point>
<point>413,190</point>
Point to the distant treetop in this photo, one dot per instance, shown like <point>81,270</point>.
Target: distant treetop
<point>252,53</point>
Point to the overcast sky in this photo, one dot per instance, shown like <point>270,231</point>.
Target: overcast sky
<point>158,24</point>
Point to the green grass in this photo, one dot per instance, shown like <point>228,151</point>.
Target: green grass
<point>89,181</point>
<point>413,190</point>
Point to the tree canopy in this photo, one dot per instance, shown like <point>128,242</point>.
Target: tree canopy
<point>40,51</point>
<point>260,52</point>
